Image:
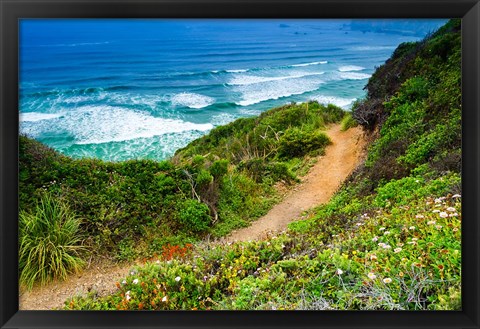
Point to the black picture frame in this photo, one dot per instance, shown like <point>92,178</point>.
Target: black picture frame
<point>13,10</point>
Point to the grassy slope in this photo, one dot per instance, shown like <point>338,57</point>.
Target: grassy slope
<point>215,184</point>
<point>389,239</point>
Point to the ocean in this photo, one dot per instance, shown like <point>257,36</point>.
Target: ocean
<point>124,89</point>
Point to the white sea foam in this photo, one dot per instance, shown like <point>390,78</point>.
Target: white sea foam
<point>249,112</point>
<point>102,124</point>
<point>253,94</point>
<point>354,76</point>
<point>79,99</point>
<point>309,64</point>
<point>341,102</point>
<point>222,119</point>
<point>191,100</point>
<point>237,71</point>
<point>243,80</point>
<point>348,68</point>
<point>149,100</point>
<point>35,116</point>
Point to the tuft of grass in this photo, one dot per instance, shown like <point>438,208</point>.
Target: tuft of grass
<point>348,122</point>
<point>49,242</point>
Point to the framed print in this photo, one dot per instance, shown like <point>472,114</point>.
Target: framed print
<point>239,164</point>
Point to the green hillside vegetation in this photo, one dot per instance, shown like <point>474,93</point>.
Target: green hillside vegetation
<point>390,239</point>
<point>142,208</point>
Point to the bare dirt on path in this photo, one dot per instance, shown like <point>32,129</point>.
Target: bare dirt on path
<point>317,187</point>
<point>100,278</point>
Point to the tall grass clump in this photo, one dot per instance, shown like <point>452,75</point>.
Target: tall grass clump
<point>348,122</point>
<point>50,242</point>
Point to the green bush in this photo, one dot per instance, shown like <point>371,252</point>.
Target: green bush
<point>194,215</point>
<point>297,142</point>
<point>49,243</point>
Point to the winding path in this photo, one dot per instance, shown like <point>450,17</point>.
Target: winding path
<point>317,187</point>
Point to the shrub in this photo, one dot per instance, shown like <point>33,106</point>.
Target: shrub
<point>49,242</point>
<point>297,142</point>
<point>194,215</point>
<point>348,122</point>
<point>219,168</point>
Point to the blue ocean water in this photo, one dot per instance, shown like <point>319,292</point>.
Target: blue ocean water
<point>124,89</point>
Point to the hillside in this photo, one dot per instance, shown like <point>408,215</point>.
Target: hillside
<point>144,208</point>
<point>388,239</point>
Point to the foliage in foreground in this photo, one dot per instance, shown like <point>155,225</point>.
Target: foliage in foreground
<point>396,258</point>
<point>389,239</point>
<point>50,243</point>
<point>217,183</point>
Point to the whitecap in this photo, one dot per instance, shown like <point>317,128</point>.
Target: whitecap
<point>191,100</point>
<point>237,71</point>
<point>102,124</point>
<point>242,80</point>
<point>222,119</point>
<point>338,101</point>
<point>354,76</point>
<point>253,94</point>
<point>309,64</point>
<point>348,68</point>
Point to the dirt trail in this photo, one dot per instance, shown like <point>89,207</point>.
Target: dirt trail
<point>317,187</point>
<point>97,277</point>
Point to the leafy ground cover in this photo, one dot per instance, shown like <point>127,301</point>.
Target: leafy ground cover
<point>390,239</point>
<point>135,208</point>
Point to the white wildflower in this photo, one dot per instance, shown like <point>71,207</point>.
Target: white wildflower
<point>339,272</point>
<point>135,281</point>
<point>443,214</point>
<point>387,280</point>
<point>412,228</point>
<point>178,278</point>
<point>371,276</point>
<point>397,250</point>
